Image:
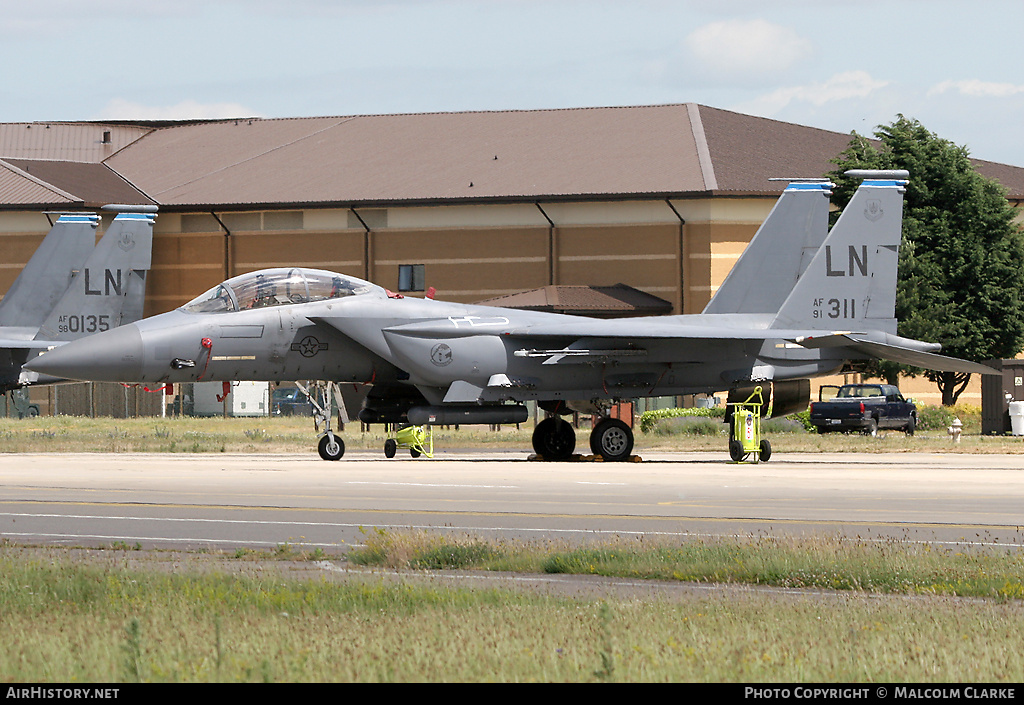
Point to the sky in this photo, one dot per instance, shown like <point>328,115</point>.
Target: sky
<point>840,65</point>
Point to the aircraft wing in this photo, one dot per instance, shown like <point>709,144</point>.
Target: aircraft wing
<point>579,327</point>
<point>586,337</point>
<point>18,344</point>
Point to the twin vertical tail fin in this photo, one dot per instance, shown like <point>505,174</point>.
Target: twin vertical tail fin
<point>49,272</point>
<point>849,288</point>
<point>779,252</point>
<point>850,283</point>
<point>110,290</point>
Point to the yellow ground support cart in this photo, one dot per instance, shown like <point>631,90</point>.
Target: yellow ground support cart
<point>745,430</point>
<point>418,439</point>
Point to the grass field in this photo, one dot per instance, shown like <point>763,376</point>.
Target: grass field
<point>75,618</point>
<point>296,435</point>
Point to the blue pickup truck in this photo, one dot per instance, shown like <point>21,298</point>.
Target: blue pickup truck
<point>866,408</point>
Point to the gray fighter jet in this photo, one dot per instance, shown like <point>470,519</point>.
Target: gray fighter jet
<point>799,304</point>
<point>73,287</point>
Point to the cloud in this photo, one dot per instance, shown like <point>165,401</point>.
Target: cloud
<point>42,18</point>
<point>977,89</point>
<point>737,48</point>
<point>842,86</point>
<point>119,109</point>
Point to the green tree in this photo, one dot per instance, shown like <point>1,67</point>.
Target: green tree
<point>961,270</point>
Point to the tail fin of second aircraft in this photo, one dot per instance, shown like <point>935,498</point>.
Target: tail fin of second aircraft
<point>851,282</point>
<point>778,253</point>
<point>110,290</point>
<point>49,272</point>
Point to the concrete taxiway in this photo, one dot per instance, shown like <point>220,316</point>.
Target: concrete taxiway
<point>232,501</point>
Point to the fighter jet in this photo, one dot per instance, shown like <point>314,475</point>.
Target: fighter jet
<point>422,361</point>
<point>73,287</point>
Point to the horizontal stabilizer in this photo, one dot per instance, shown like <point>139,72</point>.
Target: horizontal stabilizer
<point>920,357</point>
<point>927,360</point>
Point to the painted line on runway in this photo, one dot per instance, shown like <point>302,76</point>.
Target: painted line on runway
<point>98,537</point>
<point>448,528</point>
<point>428,484</point>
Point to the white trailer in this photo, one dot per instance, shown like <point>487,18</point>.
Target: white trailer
<point>243,399</point>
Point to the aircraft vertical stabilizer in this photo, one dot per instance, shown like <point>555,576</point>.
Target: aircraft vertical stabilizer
<point>110,290</point>
<point>779,252</point>
<point>48,273</point>
<point>851,282</point>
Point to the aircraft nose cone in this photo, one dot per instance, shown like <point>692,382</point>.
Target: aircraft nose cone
<point>113,356</point>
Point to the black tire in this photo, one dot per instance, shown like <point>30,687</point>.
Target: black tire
<point>390,448</point>
<point>821,429</point>
<point>765,453</point>
<point>414,453</point>
<point>554,439</point>
<point>331,450</point>
<point>911,426</point>
<point>612,439</point>
<point>736,450</point>
<point>871,429</point>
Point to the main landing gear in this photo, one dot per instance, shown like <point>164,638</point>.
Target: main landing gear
<point>555,439</point>
<point>612,439</point>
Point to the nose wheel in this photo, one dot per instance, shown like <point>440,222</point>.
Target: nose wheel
<point>331,447</point>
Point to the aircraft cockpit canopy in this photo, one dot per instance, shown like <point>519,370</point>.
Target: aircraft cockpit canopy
<point>276,287</point>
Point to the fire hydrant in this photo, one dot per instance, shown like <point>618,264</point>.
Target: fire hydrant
<point>955,429</point>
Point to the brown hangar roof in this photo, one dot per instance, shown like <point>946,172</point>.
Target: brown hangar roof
<point>92,183</point>
<point>66,141</point>
<point>17,186</point>
<point>679,151</point>
<point>648,151</point>
<point>603,152</point>
<point>746,150</point>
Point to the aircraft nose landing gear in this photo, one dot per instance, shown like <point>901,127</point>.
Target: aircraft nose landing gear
<point>331,447</point>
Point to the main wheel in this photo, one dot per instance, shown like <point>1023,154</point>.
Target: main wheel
<point>612,439</point>
<point>911,426</point>
<point>554,439</point>
<point>872,428</point>
<point>390,448</point>
<point>331,447</point>
<point>766,450</point>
